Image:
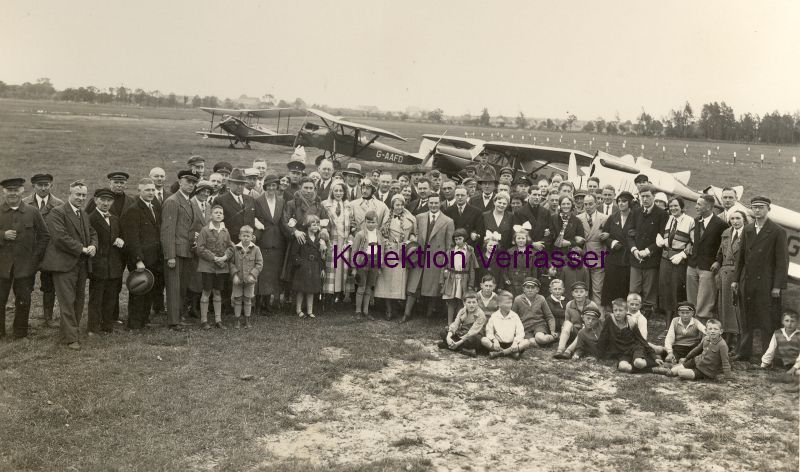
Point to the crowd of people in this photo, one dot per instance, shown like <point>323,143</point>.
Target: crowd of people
<point>252,242</point>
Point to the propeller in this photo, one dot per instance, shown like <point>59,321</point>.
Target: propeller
<point>432,151</point>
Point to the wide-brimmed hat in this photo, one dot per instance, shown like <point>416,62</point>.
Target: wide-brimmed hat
<point>237,176</point>
<point>140,282</point>
<point>353,168</point>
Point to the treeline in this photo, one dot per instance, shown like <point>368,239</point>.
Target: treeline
<point>716,120</point>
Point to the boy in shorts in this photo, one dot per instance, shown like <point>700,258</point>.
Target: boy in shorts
<point>247,264</point>
<point>504,330</point>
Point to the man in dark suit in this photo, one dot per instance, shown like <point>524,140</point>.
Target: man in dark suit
<point>117,181</point>
<point>485,200</point>
<point>420,204</point>
<point>762,272</point>
<point>105,280</point>
<point>23,241</point>
<point>325,169</point>
<point>607,206</point>
<point>181,222</point>
<point>539,219</point>
<point>240,209</point>
<point>648,222</point>
<point>706,237</point>
<point>141,231</point>
<point>158,176</point>
<point>447,192</point>
<point>73,242</point>
<point>384,192</point>
<point>465,216</point>
<point>43,200</point>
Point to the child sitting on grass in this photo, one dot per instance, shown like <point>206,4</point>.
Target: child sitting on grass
<point>538,322</point>
<point>684,334</point>
<point>464,334</point>
<point>504,329</point>
<point>556,302</point>
<point>784,347</point>
<point>634,302</point>
<point>214,250</point>
<point>572,315</point>
<point>586,342</point>
<point>621,340</point>
<point>705,361</point>
<point>247,264</point>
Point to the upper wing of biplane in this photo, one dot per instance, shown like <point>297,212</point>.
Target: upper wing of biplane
<point>257,113</point>
<point>455,141</point>
<point>543,154</point>
<point>331,120</point>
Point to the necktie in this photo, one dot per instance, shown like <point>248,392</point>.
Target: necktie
<point>352,194</point>
<point>430,227</point>
<point>589,217</point>
<point>83,230</point>
<point>702,228</point>
<point>672,230</point>
<point>460,210</point>
<point>735,237</point>
<point>152,212</point>
<point>338,208</point>
<point>105,217</point>
<point>41,204</point>
<point>160,197</point>
<point>241,202</point>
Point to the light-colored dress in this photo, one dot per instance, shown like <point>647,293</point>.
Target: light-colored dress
<point>392,281</point>
<point>338,279</point>
<point>728,252</point>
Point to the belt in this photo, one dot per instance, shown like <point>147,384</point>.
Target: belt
<point>669,253</point>
<point>459,272</point>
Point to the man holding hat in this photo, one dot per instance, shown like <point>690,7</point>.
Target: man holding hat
<point>43,200</point>
<point>352,179</point>
<point>141,231</point>
<point>485,201</point>
<point>117,181</point>
<point>180,223</point>
<point>762,272</point>
<point>105,280</point>
<point>23,241</point>
<point>73,243</point>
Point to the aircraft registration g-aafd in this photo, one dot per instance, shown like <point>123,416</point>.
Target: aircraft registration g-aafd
<point>242,126</point>
<point>336,136</point>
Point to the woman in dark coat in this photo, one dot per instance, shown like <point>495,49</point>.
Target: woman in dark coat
<point>308,263</point>
<point>304,203</point>
<point>272,240</point>
<point>618,267</point>
<point>567,235</point>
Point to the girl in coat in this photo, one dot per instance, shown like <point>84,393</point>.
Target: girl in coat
<point>567,235</point>
<point>308,264</point>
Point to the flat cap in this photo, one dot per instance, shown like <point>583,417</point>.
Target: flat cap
<point>41,178</point>
<point>14,182</point>
<point>188,175</point>
<point>196,160</point>
<point>104,192</point>
<point>118,175</point>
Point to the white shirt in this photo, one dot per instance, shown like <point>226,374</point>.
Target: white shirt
<point>505,329</point>
<point>769,355</point>
<point>271,204</point>
<point>74,208</point>
<point>41,202</point>
<point>238,198</point>
<point>105,217</point>
<point>160,194</point>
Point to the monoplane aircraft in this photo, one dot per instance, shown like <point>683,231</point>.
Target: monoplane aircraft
<point>242,126</point>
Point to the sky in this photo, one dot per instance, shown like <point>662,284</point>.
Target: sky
<point>542,58</point>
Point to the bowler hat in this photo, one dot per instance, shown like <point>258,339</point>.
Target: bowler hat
<point>140,282</point>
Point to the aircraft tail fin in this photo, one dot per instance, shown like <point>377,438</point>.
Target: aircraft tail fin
<point>572,171</point>
<point>683,177</point>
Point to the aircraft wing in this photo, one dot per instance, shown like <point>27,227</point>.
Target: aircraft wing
<point>276,112</point>
<point>355,126</point>
<point>543,154</point>
<point>455,141</point>
<point>223,111</point>
<point>282,139</point>
<point>207,134</point>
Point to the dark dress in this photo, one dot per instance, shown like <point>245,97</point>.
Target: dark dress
<point>618,267</point>
<point>272,241</point>
<point>505,228</point>
<point>567,231</point>
<point>307,264</point>
<point>298,208</point>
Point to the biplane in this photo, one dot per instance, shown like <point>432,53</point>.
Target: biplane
<point>452,154</point>
<point>338,137</point>
<point>243,126</point>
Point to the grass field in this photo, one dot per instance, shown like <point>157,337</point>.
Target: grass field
<point>336,394</point>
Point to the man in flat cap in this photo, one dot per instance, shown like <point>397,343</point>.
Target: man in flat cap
<point>141,231</point>
<point>197,166</point>
<point>117,182</point>
<point>23,241</point>
<point>251,187</point>
<point>181,222</point>
<point>73,243</point>
<point>105,280</point>
<point>506,176</point>
<point>761,271</point>
<point>43,200</point>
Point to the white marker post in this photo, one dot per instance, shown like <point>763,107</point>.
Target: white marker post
<point>548,139</point>
<point>684,152</point>
<point>623,144</point>
<point>734,157</point>
<point>794,159</point>
<point>606,146</point>
<point>708,157</point>
<point>761,164</point>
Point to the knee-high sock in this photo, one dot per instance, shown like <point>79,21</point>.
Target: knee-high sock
<point>248,306</point>
<point>218,308</point>
<point>204,309</point>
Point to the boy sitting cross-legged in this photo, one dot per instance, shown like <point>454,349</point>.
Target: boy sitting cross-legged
<point>464,334</point>
<point>621,340</point>
<point>706,360</point>
<point>585,343</point>
<point>533,311</point>
<point>504,329</point>
<point>684,334</point>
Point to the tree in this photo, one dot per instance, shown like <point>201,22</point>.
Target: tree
<point>521,121</point>
<point>571,119</point>
<point>283,104</point>
<point>550,124</point>
<point>436,116</point>
<point>564,125</point>
<point>600,125</point>
<point>485,119</point>
<point>589,127</point>
<point>299,103</point>
<point>611,128</point>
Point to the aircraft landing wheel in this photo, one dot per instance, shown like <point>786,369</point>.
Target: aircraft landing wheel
<point>231,146</point>
<point>247,146</point>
